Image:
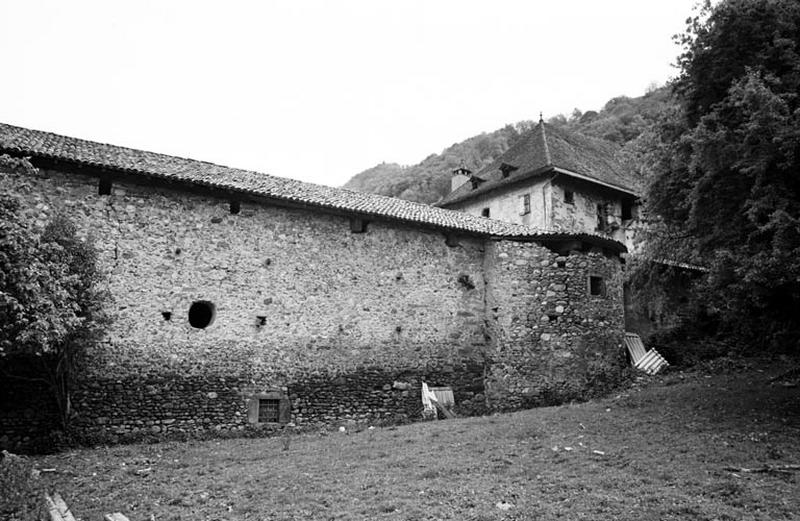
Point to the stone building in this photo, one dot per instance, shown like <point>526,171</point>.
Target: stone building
<point>242,300</point>
<point>559,180</point>
<point>555,180</point>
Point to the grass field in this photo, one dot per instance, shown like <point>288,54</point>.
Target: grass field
<point>658,451</point>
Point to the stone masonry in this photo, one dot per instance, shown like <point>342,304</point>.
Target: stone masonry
<point>343,325</point>
<point>554,342</point>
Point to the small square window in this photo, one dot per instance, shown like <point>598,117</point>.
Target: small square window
<point>597,286</point>
<point>358,225</point>
<point>526,204</point>
<point>627,210</point>
<point>569,197</point>
<point>268,410</point>
<point>105,187</point>
<point>485,212</point>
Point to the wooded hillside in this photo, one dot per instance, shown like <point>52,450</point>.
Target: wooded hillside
<point>620,120</point>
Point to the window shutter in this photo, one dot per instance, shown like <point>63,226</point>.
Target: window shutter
<point>284,410</point>
<point>252,410</point>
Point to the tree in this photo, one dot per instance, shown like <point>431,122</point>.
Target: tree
<point>51,305</point>
<point>724,168</point>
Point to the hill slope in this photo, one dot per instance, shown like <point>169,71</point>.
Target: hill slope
<point>429,180</point>
<point>621,120</point>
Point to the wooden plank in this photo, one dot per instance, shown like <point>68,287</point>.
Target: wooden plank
<point>443,409</point>
<point>635,347</point>
<point>444,395</point>
<point>62,507</point>
<point>116,516</point>
<point>52,509</point>
<point>652,363</point>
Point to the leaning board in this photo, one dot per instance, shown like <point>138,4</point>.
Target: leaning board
<point>650,361</point>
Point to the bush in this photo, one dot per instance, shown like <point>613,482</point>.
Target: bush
<point>20,493</point>
<point>683,347</point>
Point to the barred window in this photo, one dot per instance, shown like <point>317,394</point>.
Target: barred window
<point>271,407</point>
<point>268,411</point>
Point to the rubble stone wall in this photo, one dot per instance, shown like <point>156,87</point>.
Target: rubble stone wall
<point>299,301</point>
<point>553,341</point>
<point>345,325</point>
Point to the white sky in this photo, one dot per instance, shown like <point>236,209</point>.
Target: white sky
<point>320,90</point>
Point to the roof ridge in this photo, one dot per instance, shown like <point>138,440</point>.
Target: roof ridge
<point>126,147</point>
<point>547,158</point>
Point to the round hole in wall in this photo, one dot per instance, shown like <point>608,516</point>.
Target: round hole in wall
<point>201,314</point>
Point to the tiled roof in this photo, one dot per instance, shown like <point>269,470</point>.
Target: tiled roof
<point>543,149</point>
<point>35,143</point>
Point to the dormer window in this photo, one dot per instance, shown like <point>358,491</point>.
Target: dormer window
<point>506,169</point>
<point>475,181</point>
<point>462,170</point>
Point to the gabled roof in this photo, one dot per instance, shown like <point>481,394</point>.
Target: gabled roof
<point>545,149</point>
<point>21,141</point>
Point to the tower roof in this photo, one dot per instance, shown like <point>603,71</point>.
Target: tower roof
<point>546,149</point>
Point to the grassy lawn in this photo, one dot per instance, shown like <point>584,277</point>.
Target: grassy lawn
<point>662,452</point>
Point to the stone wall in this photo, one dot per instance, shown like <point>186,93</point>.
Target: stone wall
<point>553,340</point>
<point>345,325</point>
<point>505,204</point>
<point>300,301</point>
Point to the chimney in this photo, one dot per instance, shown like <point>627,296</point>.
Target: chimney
<point>460,176</point>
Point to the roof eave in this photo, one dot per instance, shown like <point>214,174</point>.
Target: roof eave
<point>582,177</point>
<point>293,202</point>
<point>535,173</point>
<point>594,240</point>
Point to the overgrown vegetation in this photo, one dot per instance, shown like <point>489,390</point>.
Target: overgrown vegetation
<point>51,304</point>
<point>622,119</point>
<point>723,170</point>
<point>20,491</point>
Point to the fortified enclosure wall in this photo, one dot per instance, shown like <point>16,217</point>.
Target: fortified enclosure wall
<point>554,341</point>
<point>345,325</point>
<point>331,324</point>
